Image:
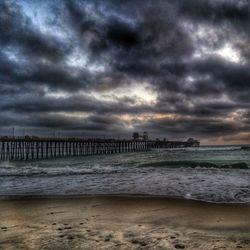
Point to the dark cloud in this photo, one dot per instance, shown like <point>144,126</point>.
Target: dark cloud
<point>77,67</point>
<point>122,35</point>
<point>235,12</point>
<point>234,78</point>
<point>18,30</point>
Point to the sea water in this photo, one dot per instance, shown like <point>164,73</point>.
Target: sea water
<point>214,174</point>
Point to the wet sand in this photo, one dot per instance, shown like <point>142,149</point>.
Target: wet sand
<point>122,223</point>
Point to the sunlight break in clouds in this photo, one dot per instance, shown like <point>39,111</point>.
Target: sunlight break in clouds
<point>141,94</point>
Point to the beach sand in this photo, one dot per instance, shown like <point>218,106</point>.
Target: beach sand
<point>122,223</point>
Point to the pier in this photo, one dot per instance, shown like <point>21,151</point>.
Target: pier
<point>14,149</point>
<point>35,148</point>
<point>176,144</point>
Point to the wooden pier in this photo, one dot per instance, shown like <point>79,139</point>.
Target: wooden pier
<point>35,148</point>
<point>13,149</point>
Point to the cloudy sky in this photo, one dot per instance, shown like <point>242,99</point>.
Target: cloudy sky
<point>174,68</point>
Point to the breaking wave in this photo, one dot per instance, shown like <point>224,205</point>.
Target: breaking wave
<point>195,164</point>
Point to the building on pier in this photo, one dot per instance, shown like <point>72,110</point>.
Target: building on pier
<point>142,137</point>
<point>175,144</point>
<point>192,142</point>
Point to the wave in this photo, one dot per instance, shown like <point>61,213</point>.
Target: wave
<point>207,148</point>
<point>48,174</point>
<point>195,164</point>
<point>10,169</point>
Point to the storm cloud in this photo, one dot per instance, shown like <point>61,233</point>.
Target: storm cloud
<point>93,68</point>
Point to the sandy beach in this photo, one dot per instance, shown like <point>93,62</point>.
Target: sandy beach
<point>122,223</point>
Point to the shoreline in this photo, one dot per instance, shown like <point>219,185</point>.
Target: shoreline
<point>116,222</point>
<point>122,196</point>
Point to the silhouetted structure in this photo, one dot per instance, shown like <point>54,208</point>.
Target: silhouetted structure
<point>145,136</point>
<point>34,148</point>
<point>137,136</point>
<point>175,144</point>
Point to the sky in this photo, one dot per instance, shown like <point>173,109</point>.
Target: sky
<point>94,68</point>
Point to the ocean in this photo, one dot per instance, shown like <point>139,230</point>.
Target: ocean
<point>207,173</point>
